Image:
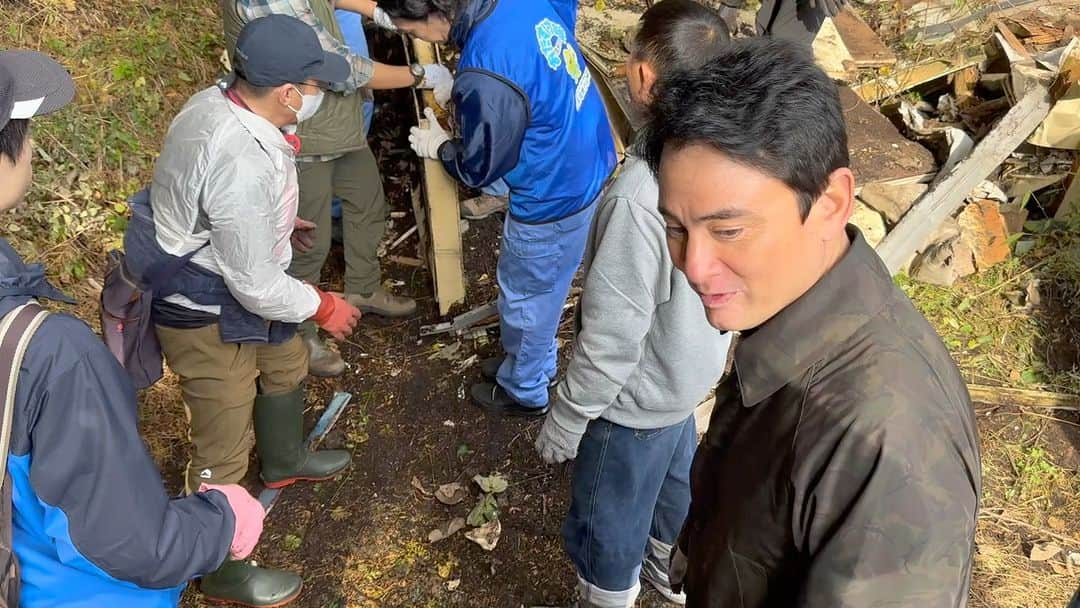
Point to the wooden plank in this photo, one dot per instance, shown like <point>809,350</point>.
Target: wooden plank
<point>948,193</point>
<point>909,77</point>
<point>866,49</point>
<point>1010,38</point>
<point>444,215</point>
<point>996,395</point>
<point>877,150</point>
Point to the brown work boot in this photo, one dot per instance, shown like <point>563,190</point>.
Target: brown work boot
<point>483,206</point>
<point>382,303</point>
<point>322,361</point>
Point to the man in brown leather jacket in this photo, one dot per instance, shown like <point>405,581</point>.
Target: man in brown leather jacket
<point>841,465</point>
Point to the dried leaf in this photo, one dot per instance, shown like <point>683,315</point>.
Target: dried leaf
<point>447,530</point>
<point>339,514</point>
<point>1041,552</point>
<point>453,585</point>
<point>1056,523</point>
<point>492,484</point>
<point>487,535</point>
<point>419,487</point>
<point>451,493</point>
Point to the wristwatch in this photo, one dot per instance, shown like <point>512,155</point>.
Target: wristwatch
<point>417,72</point>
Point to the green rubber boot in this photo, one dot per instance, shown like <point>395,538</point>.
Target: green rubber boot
<point>239,582</point>
<point>279,441</point>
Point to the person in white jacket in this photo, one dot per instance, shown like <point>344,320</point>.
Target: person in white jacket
<point>645,357</point>
<point>223,202</point>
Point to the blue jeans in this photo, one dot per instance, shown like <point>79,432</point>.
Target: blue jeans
<point>498,187</point>
<point>537,263</point>
<point>629,485</point>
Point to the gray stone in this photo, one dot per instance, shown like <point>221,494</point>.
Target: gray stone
<point>892,200</point>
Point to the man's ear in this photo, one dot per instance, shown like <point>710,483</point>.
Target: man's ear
<point>831,211</point>
<point>647,75</point>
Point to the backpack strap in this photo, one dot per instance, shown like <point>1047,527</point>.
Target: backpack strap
<point>16,330</point>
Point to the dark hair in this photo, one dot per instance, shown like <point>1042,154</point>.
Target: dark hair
<point>418,10</point>
<point>679,35</point>
<point>15,135</point>
<point>761,102</point>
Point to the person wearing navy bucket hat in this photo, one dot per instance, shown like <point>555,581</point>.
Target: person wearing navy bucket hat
<point>75,464</point>
<point>223,209</point>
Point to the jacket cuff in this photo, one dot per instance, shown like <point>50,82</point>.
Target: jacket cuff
<point>568,417</point>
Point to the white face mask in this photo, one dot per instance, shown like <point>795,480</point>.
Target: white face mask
<point>309,106</point>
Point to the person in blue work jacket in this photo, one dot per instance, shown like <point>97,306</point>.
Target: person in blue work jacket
<point>528,113</point>
<point>91,524</point>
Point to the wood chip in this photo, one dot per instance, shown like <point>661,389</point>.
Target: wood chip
<point>419,487</point>
<point>1042,552</point>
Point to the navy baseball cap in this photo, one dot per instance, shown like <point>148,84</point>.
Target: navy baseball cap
<point>279,49</point>
<point>31,84</point>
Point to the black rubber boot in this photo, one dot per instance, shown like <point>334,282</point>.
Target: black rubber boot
<point>241,583</point>
<point>279,441</point>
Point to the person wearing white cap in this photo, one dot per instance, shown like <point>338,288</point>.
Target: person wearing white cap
<point>90,522</point>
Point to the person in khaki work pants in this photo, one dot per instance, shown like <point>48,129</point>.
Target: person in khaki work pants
<point>334,160</point>
<point>222,213</point>
<point>221,385</point>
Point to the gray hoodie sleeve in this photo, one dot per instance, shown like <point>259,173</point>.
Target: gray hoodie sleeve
<point>622,290</point>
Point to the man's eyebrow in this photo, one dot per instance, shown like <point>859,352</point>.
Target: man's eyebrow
<point>723,214</point>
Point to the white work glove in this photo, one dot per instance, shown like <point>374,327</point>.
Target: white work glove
<point>677,569</point>
<point>440,81</point>
<point>556,443</point>
<point>383,20</point>
<point>425,141</point>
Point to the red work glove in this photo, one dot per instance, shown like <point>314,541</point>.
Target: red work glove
<point>303,235</point>
<point>336,316</point>
<point>249,515</point>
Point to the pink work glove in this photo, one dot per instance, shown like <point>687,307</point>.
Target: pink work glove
<point>249,515</point>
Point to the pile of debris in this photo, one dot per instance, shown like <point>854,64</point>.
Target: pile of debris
<point>954,149</point>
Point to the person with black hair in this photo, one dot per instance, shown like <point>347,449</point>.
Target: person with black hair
<point>624,410</point>
<point>841,463</point>
<point>85,508</point>
<point>335,161</point>
<point>796,20</point>
<point>529,113</point>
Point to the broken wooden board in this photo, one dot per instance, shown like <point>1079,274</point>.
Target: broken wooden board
<point>863,45</point>
<point>912,76</point>
<point>443,214</point>
<point>951,190</point>
<point>831,54</point>
<point>878,151</point>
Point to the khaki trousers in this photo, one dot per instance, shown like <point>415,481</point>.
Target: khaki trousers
<point>219,383</point>
<point>354,178</point>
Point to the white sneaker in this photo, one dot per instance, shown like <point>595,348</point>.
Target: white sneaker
<point>652,574</point>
